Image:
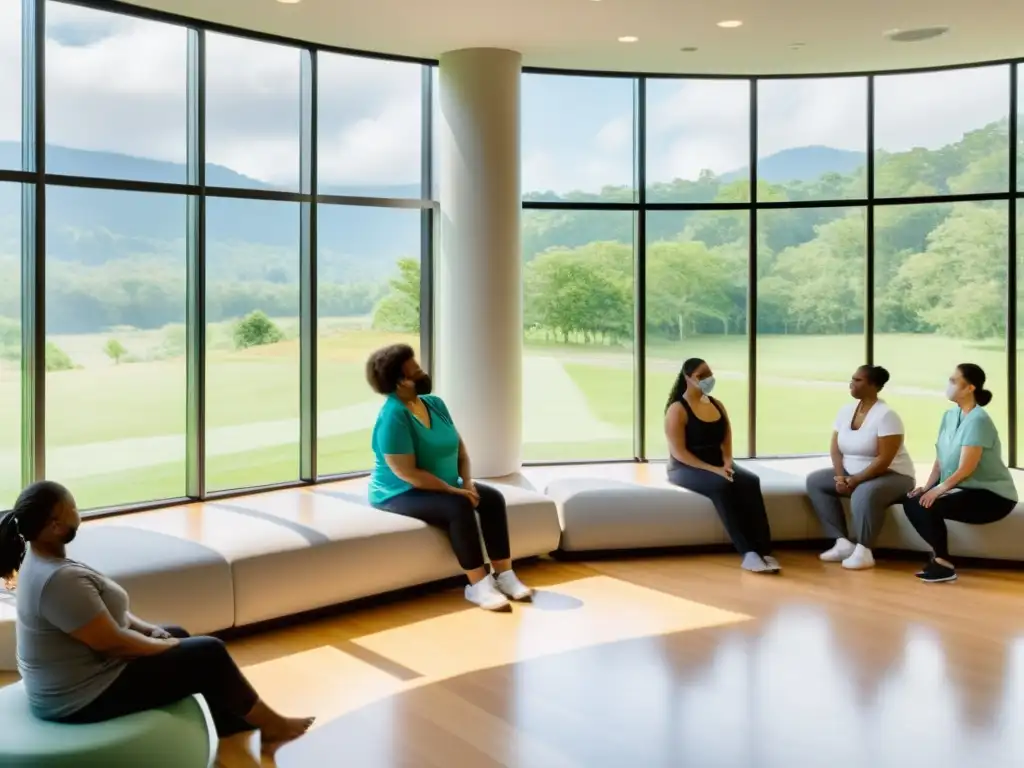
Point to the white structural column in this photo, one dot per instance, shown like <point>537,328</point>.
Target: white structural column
<point>478,288</point>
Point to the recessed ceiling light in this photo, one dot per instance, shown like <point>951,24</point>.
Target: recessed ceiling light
<point>915,35</point>
<point>628,39</point>
<point>730,24</point>
<point>289,2</point>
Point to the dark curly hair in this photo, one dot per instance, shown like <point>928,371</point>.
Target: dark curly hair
<point>876,375</point>
<point>384,367</point>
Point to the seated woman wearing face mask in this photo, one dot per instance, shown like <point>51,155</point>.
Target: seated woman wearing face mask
<point>969,482</point>
<point>700,459</point>
<point>85,658</point>
<point>422,470</point>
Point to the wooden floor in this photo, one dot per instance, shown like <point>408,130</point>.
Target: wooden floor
<point>643,662</point>
<point>671,661</point>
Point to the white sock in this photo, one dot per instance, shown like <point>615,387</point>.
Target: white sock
<point>860,559</point>
<point>841,550</point>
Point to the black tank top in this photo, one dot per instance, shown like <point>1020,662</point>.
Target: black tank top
<point>703,438</point>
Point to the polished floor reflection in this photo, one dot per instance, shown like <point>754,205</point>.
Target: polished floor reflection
<point>670,661</point>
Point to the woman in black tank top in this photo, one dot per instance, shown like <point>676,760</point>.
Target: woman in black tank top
<point>700,459</point>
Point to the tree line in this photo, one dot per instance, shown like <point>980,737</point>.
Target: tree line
<point>938,268</point>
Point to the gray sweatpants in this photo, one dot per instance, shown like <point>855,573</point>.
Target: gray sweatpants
<point>868,503</point>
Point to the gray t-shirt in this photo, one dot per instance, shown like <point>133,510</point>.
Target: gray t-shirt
<point>57,597</point>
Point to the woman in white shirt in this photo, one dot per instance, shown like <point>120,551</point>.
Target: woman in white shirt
<point>870,464</point>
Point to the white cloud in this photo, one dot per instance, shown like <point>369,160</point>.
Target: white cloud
<point>932,110</point>
<point>10,70</point>
<point>118,84</point>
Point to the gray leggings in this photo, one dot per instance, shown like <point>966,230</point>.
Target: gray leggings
<point>869,502</point>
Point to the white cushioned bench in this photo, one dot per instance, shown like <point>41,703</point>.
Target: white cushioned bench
<point>277,554</point>
<point>604,514</point>
<point>600,514</point>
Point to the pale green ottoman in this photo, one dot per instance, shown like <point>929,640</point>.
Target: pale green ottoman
<point>178,736</point>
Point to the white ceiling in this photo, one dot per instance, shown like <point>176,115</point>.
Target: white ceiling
<point>840,35</point>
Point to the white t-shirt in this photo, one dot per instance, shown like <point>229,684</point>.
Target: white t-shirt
<point>860,446</point>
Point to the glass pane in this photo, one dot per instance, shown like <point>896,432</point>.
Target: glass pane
<point>10,85</point>
<point>698,141</point>
<point>942,132</point>
<point>810,323</point>
<point>10,343</point>
<point>115,364</point>
<point>253,113</point>
<point>940,300</point>
<point>812,138</point>
<point>371,120</point>
<point>1020,128</point>
<point>252,338</point>
<point>368,268</point>
<point>578,316</point>
<point>115,95</point>
<point>697,265</point>
<point>1020,332</point>
<point>586,154</point>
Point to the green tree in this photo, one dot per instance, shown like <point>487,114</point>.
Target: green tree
<point>255,330</point>
<point>57,359</point>
<point>115,350</point>
<point>399,310</point>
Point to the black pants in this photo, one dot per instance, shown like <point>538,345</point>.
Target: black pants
<point>739,504</point>
<point>967,505</point>
<point>455,515</point>
<point>196,665</point>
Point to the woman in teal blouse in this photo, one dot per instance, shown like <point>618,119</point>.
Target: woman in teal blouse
<point>421,470</point>
<point>969,482</point>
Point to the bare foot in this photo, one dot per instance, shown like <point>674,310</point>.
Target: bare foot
<point>286,729</point>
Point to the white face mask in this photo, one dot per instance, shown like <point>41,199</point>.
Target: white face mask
<point>706,385</point>
<point>951,391</point>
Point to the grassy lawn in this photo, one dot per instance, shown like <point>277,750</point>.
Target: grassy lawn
<point>801,384</point>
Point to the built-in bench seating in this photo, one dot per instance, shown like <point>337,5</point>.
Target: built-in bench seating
<point>599,514</point>
<point>262,557</point>
<point>242,561</point>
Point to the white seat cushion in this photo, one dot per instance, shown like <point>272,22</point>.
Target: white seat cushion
<point>300,552</point>
<point>603,514</point>
<point>171,580</point>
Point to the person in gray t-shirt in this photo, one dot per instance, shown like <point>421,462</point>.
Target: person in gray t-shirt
<point>84,657</point>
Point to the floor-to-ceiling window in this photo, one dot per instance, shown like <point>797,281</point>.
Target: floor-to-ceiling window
<point>204,234</point>
<point>793,229</point>
<point>579,256</point>
<point>10,251</point>
<point>193,325</point>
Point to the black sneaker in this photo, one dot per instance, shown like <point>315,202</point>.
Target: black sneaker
<point>936,573</point>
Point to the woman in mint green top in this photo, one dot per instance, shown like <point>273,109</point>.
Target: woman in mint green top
<point>421,470</point>
<point>969,482</point>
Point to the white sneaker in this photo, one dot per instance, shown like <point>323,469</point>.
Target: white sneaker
<point>510,586</point>
<point>485,594</point>
<point>772,563</point>
<point>860,560</point>
<point>843,549</point>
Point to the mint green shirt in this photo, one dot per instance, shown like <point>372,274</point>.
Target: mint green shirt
<point>398,432</point>
<point>974,429</point>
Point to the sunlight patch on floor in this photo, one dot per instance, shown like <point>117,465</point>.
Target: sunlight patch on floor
<point>329,682</point>
<point>567,617</point>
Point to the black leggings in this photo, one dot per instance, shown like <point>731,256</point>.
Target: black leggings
<point>739,504</point>
<point>966,505</point>
<point>196,665</point>
<point>454,513</point>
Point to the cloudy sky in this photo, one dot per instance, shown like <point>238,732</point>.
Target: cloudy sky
<point>118,84</point>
